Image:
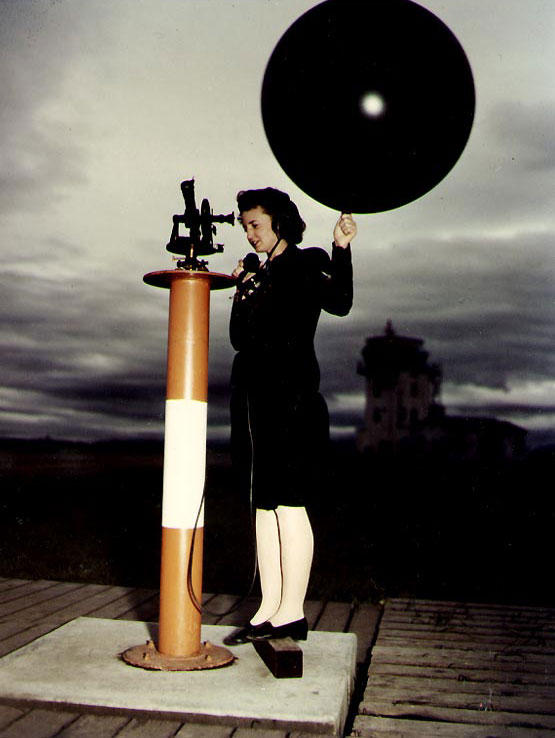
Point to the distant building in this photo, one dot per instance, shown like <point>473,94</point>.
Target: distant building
<point>403,412</point>
<point>401,390</point>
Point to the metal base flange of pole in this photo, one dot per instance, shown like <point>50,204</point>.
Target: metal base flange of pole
<point>179,646</point>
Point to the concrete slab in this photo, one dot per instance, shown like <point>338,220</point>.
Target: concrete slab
<point>79,664</point>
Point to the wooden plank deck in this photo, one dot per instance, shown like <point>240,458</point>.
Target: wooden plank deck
<point>29,609</point>
<point>460,670</point>
<point>437,668</point>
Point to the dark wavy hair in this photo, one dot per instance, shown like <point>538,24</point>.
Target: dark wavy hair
<point>286,221</point>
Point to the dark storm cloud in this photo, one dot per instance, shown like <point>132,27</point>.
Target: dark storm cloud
<point>80,352</point>
<point>484,306</point>
<point>84,350</point>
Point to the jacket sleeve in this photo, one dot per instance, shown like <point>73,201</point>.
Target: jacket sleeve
<point>337,289</point>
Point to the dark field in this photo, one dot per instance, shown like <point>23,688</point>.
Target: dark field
<point>91,513</point>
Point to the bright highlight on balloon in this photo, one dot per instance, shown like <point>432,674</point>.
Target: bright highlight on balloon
<point>372,104</point>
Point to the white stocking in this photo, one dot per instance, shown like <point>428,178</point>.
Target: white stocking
<point>269,564</point>
<point>297,547</point>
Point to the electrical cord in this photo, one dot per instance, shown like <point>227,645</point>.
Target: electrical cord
<point>202,609</point>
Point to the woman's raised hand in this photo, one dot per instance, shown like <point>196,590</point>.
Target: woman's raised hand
<point>345,230</point>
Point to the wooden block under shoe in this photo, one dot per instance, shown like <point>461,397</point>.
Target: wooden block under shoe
<point>282,656</point>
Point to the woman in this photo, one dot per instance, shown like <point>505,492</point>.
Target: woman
<point>279,420</point>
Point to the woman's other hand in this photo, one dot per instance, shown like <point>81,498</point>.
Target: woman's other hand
<point>239,272</point>
<point>239,269</point>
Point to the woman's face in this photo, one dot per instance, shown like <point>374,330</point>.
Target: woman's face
<point>257,224</point>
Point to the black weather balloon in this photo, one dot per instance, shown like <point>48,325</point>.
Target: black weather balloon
<point>367,104</point>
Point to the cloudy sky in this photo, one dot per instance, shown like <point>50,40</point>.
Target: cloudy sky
<point>107,105</point>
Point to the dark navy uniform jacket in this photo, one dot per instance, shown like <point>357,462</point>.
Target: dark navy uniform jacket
<point>279,419</point>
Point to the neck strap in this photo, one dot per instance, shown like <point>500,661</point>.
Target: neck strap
<point>274,247</point>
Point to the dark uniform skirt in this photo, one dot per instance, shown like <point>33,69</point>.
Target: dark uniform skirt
<point>279,445</point>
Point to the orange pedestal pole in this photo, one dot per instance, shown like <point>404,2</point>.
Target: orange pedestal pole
<point>179,642</point>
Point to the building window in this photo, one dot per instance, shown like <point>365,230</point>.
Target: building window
<point>414,389</point>
<point>377,415</point>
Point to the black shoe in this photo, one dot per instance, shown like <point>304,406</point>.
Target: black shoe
<point>247,634</point>
<point>297,630</point>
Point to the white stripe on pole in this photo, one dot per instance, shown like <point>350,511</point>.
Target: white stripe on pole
<point>184,463</point>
